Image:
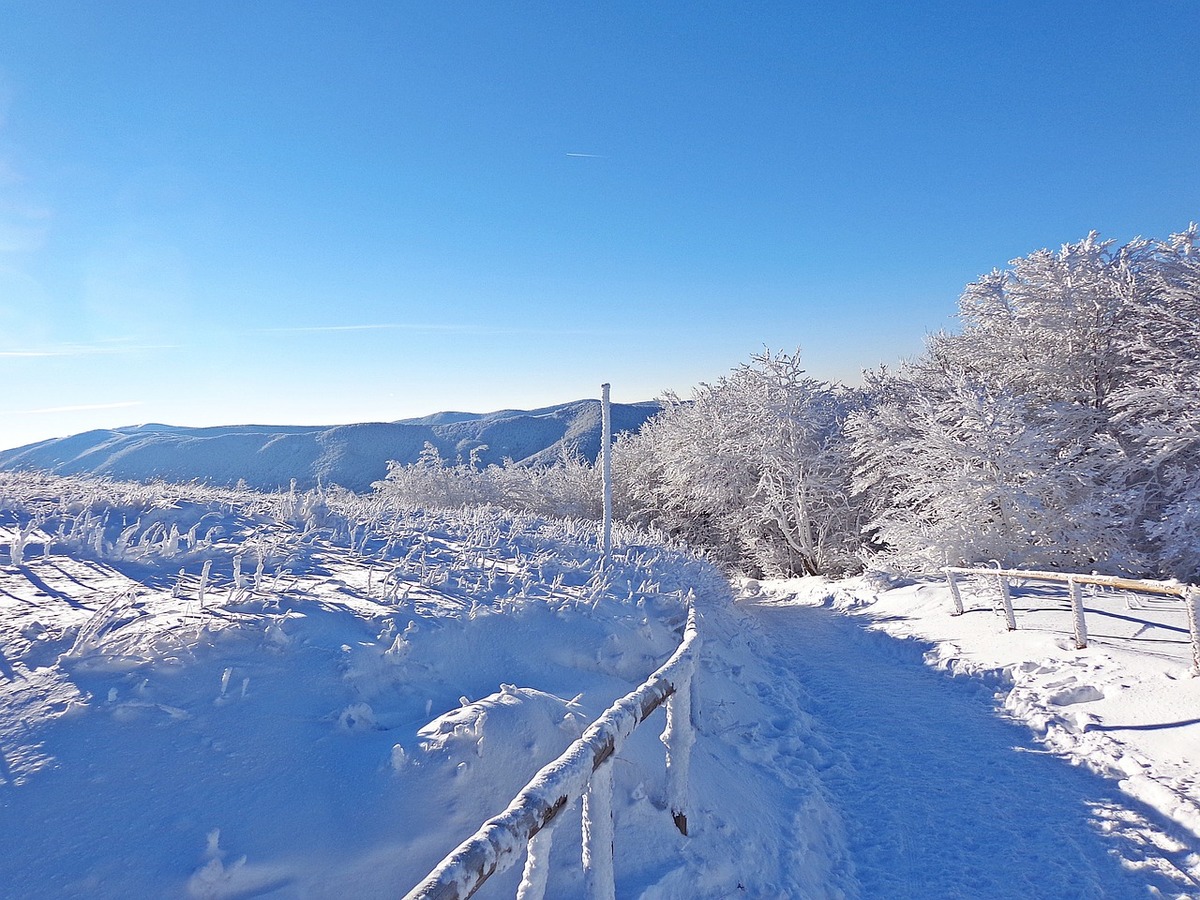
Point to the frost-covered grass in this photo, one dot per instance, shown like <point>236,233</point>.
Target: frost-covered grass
<point>220,693</point>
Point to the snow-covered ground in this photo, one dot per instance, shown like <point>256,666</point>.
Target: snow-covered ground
<point>178,720</point>
<point>1125,709</point>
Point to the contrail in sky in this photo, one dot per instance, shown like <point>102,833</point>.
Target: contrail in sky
<point>586,156</point>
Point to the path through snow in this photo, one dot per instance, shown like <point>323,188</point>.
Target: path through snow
<point>939,795</point>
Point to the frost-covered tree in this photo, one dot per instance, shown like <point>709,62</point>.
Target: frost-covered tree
<point>1055,429</point>
<point>1052,327</point>
<point>1156,408</point>
<point>960,471</point>
<point>754,467</point>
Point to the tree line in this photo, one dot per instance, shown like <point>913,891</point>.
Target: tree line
<point>1058,427</point>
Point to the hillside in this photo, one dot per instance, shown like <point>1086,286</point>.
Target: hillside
<point>267,457</point>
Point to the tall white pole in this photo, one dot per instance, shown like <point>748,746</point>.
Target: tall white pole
<point>606,465</point>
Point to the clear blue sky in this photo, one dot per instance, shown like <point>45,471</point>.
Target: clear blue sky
<point>219,212</point>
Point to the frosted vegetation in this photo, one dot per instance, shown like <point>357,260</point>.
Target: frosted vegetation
<point>301,680</point>
<point>1059,428</point>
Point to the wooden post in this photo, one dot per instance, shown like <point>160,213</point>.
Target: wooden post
<point>598,877</point>
<point>606,466</point>
<point>1191,599</point>
<point>953,582</point>
<point>1076,591</point>
<point>537,866</point>
<point>678,737</point>
<point>1010,620</point>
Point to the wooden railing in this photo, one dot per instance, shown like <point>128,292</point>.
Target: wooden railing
<point>583,772</point>
<point>1189,594</point>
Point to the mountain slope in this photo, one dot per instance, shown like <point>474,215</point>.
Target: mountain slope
<point>267,457</point>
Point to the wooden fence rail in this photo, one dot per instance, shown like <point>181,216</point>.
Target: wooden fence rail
<point>582,773</point>
<point>1189,594</point>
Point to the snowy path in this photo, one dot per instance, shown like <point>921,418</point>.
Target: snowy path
<point>940,796</point>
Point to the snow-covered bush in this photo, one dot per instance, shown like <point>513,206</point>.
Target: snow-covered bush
<point>434,483</point>
<point>754,468</point>
<point>569,488</point>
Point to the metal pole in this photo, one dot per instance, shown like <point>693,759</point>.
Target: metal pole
<point>606,466</point>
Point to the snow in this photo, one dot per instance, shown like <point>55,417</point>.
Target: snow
<point>362,688</point>
<point>1126,710</point>
<point>392,682</point>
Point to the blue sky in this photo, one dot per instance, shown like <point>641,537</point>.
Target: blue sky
<point>219,212</point>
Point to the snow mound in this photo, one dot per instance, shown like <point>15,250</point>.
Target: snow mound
<point>500,732</point>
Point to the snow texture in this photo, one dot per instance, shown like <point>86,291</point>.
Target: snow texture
<point>380,683</point>
<point>923,756</point>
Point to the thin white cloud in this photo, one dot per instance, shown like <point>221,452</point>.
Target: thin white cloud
<point>82,407</point>
<point>379,326</point>
<point>437,329</point>
<point>21,237</point>
<point>65,350</point>
<point>586,156</point>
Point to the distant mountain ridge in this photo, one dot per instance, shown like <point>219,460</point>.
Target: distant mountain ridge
<point>267,457</point>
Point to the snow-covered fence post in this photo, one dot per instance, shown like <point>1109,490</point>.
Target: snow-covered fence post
<point>537,865</point>
<point>1010,620</point>
<point>584,770</point>
<point>1191,599</point>
<point>598,877</point>
<point>678,737</point>
<point>953,582</point>
<point>606,466</point>
<point>1076,591</point>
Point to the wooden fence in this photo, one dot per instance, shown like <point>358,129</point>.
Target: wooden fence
<point>582,773</point>
<point>1189,594</point>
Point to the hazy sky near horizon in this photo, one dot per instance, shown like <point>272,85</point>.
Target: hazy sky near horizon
<point>312,213</point>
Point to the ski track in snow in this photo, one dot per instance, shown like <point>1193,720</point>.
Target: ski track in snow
<point>942,797</point>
